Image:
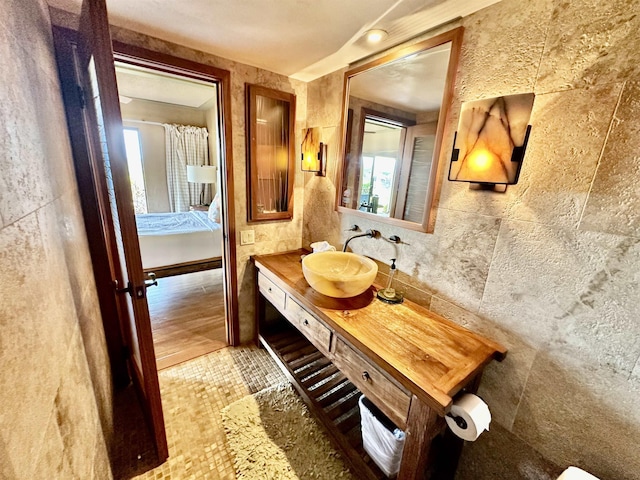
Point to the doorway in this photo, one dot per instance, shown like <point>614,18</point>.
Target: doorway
<point>88,81</point>
<point>221,266</point>
<point>172,138</point>
<point>196,278</point>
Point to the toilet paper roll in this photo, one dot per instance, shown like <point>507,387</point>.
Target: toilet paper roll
<point>574,473</point>
<point>475,414</point>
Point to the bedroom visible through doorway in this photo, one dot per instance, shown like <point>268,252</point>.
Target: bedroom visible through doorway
<point>172,132</point>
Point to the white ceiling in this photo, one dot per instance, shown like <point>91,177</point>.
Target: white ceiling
<point>413,84</point>
<point>144,84</point>
<point>304,39</point>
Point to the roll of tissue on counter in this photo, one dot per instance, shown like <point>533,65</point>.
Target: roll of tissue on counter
<point>469,417</point>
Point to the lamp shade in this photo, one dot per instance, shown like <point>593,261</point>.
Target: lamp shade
<point>201,173</point>
<point>491,140</point>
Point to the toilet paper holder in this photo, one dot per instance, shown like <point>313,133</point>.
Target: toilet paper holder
<point>461,422</point>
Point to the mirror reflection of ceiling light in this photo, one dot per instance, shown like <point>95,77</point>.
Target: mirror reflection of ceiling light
<point>376,35</point>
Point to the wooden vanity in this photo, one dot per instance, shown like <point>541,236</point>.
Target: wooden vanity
<point>407,360</point>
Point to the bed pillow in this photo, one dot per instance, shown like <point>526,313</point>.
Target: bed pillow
<point>214,209</point>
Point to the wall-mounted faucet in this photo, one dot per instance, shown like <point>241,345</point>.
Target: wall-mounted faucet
<point>395,239</point>
<point>369,233</point>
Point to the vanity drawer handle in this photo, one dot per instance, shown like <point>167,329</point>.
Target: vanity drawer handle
<point>306,322</point>
<point>269,289</point>
<point>365,376</point>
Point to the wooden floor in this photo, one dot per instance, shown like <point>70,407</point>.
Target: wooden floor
<point>187,316</point>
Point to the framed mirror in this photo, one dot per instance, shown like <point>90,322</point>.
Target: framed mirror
<point>394,112</point>
<point>270,145</point>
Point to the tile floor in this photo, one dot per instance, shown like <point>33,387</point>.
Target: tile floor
<point>193,393</point>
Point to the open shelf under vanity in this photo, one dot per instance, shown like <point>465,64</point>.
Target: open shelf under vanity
<point>329,394</point>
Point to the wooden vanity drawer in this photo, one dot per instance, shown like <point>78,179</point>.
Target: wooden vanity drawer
<point>310,326</point>
<point>271,292</point>
<point>388,396</point>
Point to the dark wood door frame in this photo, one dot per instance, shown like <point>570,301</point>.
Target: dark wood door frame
<point>104,130</point>
<point>95,128</point>
<point>74,50</point>
<point>162,62</point>
<point>90,188</point>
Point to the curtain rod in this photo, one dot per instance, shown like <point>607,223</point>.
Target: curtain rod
<point>142,121</point>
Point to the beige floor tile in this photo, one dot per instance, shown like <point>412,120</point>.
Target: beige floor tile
<point>193,393</point>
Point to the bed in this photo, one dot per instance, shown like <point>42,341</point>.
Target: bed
<point>176,243</point>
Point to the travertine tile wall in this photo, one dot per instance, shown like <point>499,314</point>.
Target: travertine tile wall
<point>551,268</point>
<point>55,389</point>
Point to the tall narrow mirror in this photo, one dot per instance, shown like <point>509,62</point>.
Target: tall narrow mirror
<point>271,122</point>
<point>393,121</point>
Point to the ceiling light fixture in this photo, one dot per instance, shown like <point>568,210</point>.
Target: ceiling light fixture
<point>376,35</point>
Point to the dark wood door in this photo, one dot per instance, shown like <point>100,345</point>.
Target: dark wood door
<point>105,141</point>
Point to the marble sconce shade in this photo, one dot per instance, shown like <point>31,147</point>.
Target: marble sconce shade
<point>313,151</point>
<point>491,140</point>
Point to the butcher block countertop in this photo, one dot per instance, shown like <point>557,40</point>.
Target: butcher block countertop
<point>430,356</point>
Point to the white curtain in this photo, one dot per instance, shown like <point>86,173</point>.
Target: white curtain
<point>185,145</point>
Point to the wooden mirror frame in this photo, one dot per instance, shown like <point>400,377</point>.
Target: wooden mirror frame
<point>252,92</point>
<point>455,37</point>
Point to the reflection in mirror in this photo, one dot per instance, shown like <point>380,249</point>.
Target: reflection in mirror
<point>271,120</point>
<point>393,122</point>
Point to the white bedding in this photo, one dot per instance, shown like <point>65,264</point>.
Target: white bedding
<point>173,238</point>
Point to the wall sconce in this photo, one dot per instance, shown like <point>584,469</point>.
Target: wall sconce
<point>314,152</point>
<point>489,145</point>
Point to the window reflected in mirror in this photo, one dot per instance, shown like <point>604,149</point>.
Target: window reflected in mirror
<point>271,120</point>
<point>381,145</point>
<point>394,113</point>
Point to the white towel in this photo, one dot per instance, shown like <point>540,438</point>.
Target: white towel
<point>323,246</point>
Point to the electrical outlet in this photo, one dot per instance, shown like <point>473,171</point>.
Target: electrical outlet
<point>247,237</point>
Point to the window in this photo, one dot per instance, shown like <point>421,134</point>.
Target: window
<point>381,158</point>
<point>136,174</point>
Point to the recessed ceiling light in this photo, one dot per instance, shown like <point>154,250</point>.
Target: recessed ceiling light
<point>375,35</point>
